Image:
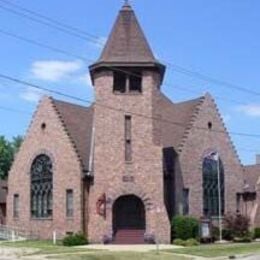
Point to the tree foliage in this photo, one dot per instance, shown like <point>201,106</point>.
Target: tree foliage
<point>8,149</point>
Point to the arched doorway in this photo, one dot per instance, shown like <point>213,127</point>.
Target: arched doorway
<point>129,220</point>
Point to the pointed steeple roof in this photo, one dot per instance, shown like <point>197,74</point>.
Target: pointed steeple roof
<point>127,44</point>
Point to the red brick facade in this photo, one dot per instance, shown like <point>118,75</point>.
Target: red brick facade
<point>87,147</point>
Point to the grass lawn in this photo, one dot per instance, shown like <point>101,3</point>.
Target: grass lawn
<point>219,250</point>
<point>44,247</point>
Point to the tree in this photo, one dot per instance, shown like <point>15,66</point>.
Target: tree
<point>7,153</point>
<point>16,143</point>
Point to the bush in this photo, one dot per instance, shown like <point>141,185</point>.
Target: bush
<point>245,239</point>
<point>187,243</point>
<point>75,240</point>
<point>257,232</point>
<point>237,224</point>
<point>192,242</point>
<point>184,227</point>
<point>179,242</point>
<point>226,234</point>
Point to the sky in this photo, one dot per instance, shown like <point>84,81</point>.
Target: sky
<point>218,39</point>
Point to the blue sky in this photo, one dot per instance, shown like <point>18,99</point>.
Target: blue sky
<point>217,38</point>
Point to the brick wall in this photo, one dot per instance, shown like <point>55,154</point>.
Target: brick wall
<point>55,142</point>
<point>143,176</point>
<point>191,158</point>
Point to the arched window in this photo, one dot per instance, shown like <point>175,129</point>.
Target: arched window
<point>41,187</point>
<point>210,187</point>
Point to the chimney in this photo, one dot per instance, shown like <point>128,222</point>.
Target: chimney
<point>258,159</point>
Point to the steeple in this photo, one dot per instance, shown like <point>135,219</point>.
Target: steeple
<point>127,45</point>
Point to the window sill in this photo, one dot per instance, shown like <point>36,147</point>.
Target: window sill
<point>69,218</point>
<point>41,219</point>
<point>134,93</point>
<point>129,162</point>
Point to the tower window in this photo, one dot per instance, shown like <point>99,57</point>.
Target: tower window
<point>129,81</point>
<point>128,141</point>
<point>135,81</point>
<point>120,79</point>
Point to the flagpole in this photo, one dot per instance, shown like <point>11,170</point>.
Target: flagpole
<point>219,201</point>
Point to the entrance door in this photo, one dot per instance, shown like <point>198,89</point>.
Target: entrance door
<point>129,220</point>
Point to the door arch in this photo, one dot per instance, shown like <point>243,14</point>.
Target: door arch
<point>128,213</point>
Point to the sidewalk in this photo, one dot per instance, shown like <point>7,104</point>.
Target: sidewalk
<point>129,248</point>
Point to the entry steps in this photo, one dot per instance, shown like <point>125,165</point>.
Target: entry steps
<point>129,237</point>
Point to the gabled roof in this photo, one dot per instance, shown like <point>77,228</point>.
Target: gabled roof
<point>251,177</point>
<point>78,121</point>
<point>3,191</point>
<point>178,119</point>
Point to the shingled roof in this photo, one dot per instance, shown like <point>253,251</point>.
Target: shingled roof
<point>179,116</point>
<point>127,42</point>
<point>251,177</point>
<point>127,45</point>
<point>78,121</point>
<point>3,191</point>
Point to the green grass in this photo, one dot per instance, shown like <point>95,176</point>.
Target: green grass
<point>44,247</point>
<point>219,250</point>
<point>122,256</point>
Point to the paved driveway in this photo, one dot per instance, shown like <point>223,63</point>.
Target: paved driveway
<point>256,257</point>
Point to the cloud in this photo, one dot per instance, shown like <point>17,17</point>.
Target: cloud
<point>55,70</point>
<point>32,95</point>
<point>252,110</point>
<point>226,118</point>
<point>86,79</point>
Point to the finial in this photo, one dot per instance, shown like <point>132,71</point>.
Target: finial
<point>126,3</point>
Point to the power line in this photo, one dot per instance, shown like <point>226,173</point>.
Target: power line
<point>53,21</point>
<point>84,59</point>
<point>26,83</point>
<point>207,78</point>
<point>50,22</point>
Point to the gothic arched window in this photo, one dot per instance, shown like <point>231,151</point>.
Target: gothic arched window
<point>210,187</point>
<point>41,187</point>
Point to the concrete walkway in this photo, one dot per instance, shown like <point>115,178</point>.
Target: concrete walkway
<point>129,248</point>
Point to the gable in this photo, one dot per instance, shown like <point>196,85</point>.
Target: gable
<point>208,128</point>
<point>176,120</point>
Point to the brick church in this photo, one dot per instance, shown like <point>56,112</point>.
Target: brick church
<point>121,168</point>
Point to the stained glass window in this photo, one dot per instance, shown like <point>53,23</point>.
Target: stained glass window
<point>41,187</point>
<point>210,187</point>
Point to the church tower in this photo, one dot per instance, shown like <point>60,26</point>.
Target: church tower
<point>126,199</point>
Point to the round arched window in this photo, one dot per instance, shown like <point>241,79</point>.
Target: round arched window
<point>213,175</point>
<point>41,187</point>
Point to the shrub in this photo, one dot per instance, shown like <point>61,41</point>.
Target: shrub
<point>179,242</point>
<point>257,232</point>
<point>244,239</point>
<point>77,239</point>
<point>184,227</point>
<point>187,243</point>
<point>237,224</point>
<point>192,242</point>
<point>227,234</point>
